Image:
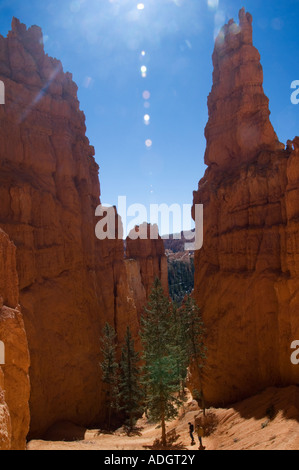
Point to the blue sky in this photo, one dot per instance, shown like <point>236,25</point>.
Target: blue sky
<point>101,41</point>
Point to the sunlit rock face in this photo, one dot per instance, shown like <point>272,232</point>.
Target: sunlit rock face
<point>239,124</point>
<point>70,283</point>
<point>149,251</point>
<point>14,379</point>
<point>247,273</point>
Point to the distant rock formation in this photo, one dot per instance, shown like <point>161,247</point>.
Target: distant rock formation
<point>14,379</point>
<point>176,243</point>
<point>70,282</point>
<point>247,273</point>
<point>150,253</point>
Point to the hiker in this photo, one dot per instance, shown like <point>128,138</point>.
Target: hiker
<point>200,433</point>
<point>191,430</point>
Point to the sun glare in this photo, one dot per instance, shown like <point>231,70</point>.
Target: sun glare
<point>213,4</point>
<point>147,119</point>
<point>143,69</point>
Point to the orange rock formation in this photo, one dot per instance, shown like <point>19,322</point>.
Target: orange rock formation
<point>246,279</point>
<point>70,282</point>
<point>151,256</point>
<point>239,125</point>
<point>14,379</point>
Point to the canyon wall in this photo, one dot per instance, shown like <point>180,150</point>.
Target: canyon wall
<point>70,283</point>
<point>14,379</point>
<point>247,273</point>
<point>148,249</point>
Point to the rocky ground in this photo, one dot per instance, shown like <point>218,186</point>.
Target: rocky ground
<point>268,421</point>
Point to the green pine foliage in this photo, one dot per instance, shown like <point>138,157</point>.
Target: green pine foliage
<point>161,373</point>
<point>130,394</point>
<point>180,279</point>
<point>109,368</point>
<point>180,345</point>
<point>172,339</point>
<point>196,349</point>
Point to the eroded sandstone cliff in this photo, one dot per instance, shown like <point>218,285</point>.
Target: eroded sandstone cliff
<point>246,275</point>
<point>70,282</point>
<point>148,249</point>
<point>14,379</point>
<point>239,125</point>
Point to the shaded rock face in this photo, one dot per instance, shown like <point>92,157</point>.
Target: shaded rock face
<point>246,275</point>
<point>70,282</point>
<point>14,379</point>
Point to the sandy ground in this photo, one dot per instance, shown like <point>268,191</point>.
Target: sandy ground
<point>248,425</point>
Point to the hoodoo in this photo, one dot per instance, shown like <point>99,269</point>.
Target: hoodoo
<point>70,283</point>
<point>239,126</point>
<point>246,274</point>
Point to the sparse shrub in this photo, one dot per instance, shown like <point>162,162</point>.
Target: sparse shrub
<point>209,423</point>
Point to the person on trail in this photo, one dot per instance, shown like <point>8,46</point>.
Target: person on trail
<point>191,430</point>
<point>200,433</point>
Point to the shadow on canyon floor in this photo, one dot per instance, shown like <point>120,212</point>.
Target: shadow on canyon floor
<point>269,403</point>
<point>266,421</point>
<point>172,443</point>
<point>65,431</point>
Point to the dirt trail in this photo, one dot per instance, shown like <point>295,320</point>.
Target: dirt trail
<point>268,421</point>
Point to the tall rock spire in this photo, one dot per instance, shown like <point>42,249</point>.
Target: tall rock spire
<point>246,274</point>
<point>239,125</point>
<point>70,283</point>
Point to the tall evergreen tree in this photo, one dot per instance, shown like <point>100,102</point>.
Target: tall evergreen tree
<point>160,371</point>
<point>180,345</point>
<point>130,393</point>
<point>109,368</point>
<point>195,340</point>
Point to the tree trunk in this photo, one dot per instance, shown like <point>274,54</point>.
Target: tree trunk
<point>203,403</point>
<point>131,421</point>
<point>109,414</point>
<point>163,425</point>
<point>109,417</point>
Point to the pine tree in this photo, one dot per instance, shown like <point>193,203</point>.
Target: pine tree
<point>180,345</point>
<point>130,393</point>
<point>160,371</point>
<point>195,330</point>
<point>109,368</point>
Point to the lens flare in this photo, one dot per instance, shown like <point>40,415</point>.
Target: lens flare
<point>143,71</point>
<point>147,119</point>
<point>148,143</point>
<point>146,95</point>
